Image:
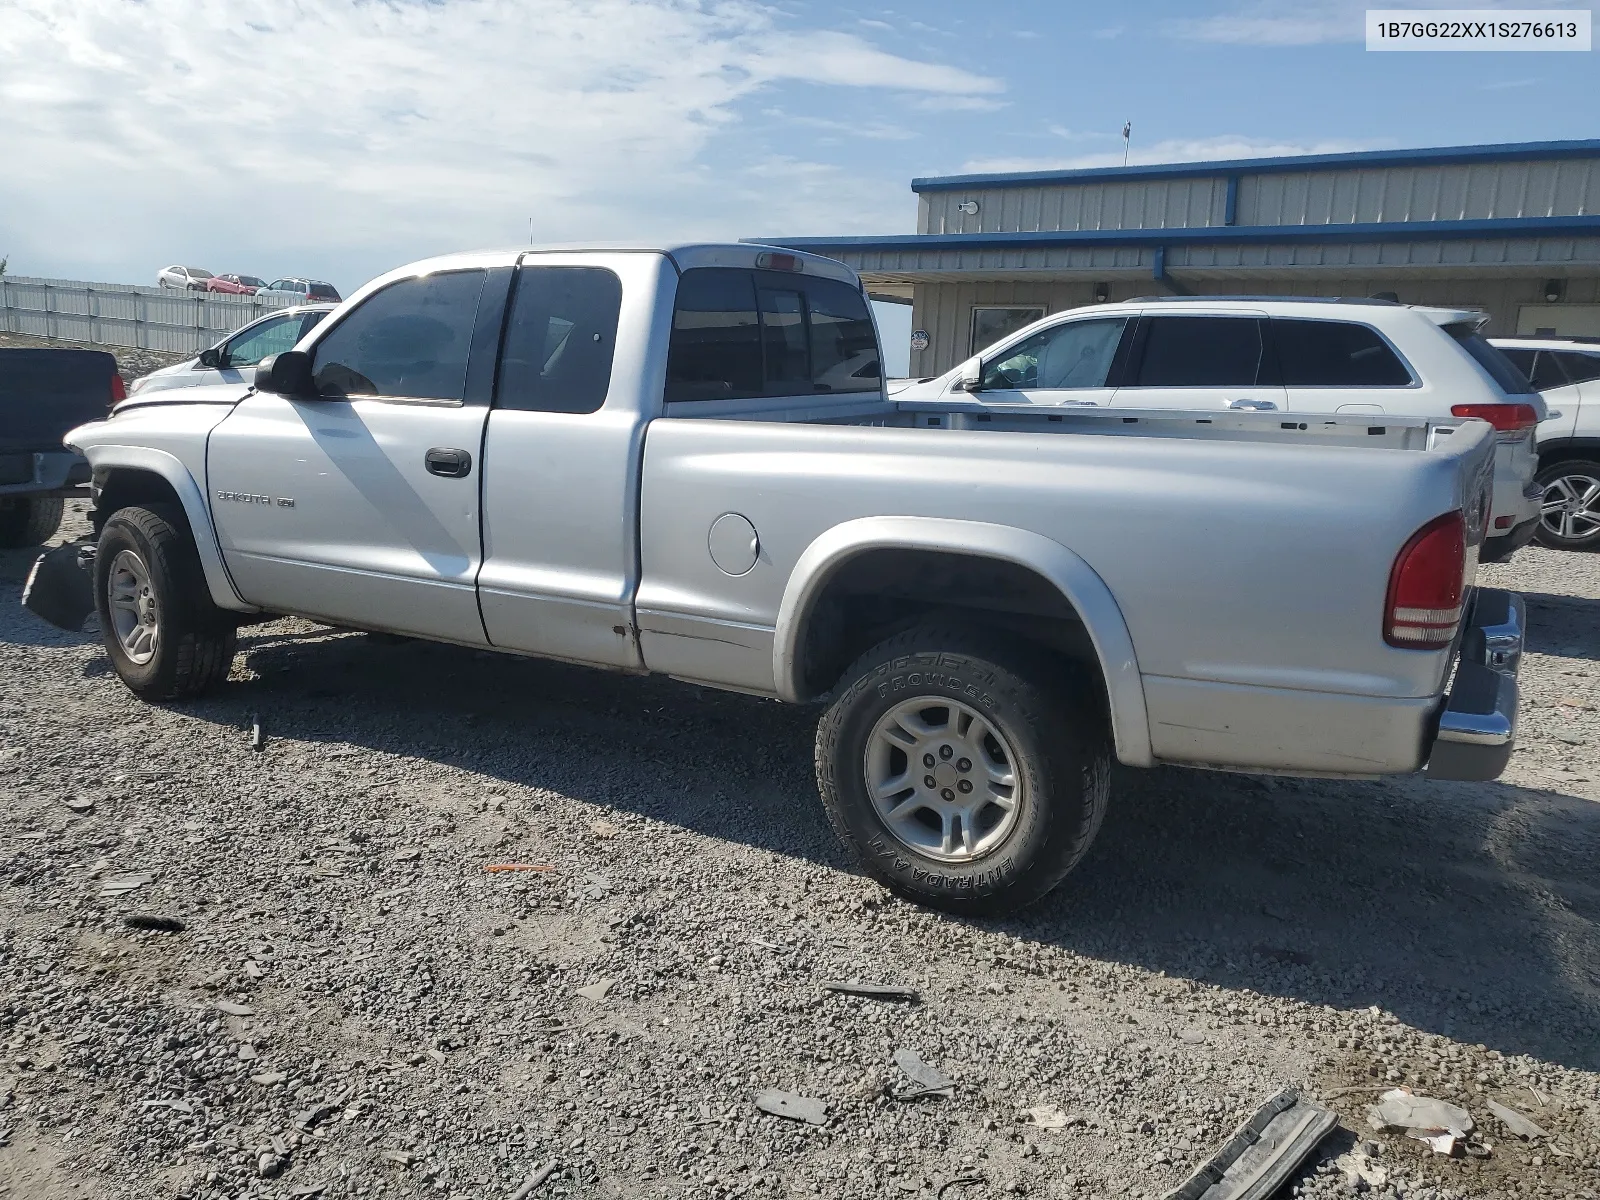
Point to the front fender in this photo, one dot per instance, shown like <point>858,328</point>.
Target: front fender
<point>1068,573</point>
<point>96,443</point>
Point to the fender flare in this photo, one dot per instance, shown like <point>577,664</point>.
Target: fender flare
<point>1075,579</point>
<point>172,470</point>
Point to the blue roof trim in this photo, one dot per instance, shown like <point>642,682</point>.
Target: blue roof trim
<point>1211,235</point>
<point>1440,156</point>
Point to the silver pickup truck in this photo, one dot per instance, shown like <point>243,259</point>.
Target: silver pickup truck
<point>682,460</point>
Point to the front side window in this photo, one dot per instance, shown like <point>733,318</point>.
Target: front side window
<point>1335,354</point>
<point>269,337</point>
<point>739,334</point>
<point>1200,352</point>
<point>992,324</point>
<point>559,340</point>
<point>411,340</point>
<point>1580,368</point>
<point>1077,354</point>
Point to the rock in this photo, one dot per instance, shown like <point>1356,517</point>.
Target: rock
<point>269,1165</point>
<point>234,1009</point>
<point>792,1106</point>
<point>596,991</point>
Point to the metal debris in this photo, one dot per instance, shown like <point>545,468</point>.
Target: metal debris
<point>1436,1122</point>
<point>234,1009</point>
<point>178,1106</point>
<point>958,1181</point>
<point>308,1117</point>
<point>158,922</point>
<point>258,740</point>
<point>309,1189</point>
<point>596,991</point>
<point>930,1080</point>
<point>877,991</point>
<point>119,885</point>
<point>81,805</point>
<point>268,1078</point>
<point>792,1106</point>
<point>534,1180</point>
<point>1517,1123</point>
<point>1045,1116</point>
<point>1262,1153</point>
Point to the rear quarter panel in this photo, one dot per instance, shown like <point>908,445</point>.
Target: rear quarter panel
<point>1239,563</point>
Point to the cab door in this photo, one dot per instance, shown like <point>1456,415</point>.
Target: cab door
<point>360,505</point>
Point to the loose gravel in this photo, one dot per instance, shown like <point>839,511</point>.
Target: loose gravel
<point>355,1006</point>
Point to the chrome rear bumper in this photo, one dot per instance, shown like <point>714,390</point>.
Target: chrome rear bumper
<point>1478,726</point>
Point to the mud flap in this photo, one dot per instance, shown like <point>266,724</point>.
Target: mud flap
<point>60,588</point>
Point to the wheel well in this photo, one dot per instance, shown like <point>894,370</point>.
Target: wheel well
<point>1566,451</point>
<point>878,593</point>
<point>120,487</point>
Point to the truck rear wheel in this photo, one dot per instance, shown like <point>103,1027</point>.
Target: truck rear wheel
<point>961,775</point>
<point>29,520</point>
<point>164,636</point>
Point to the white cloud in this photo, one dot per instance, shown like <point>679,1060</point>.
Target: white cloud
<point>329,136</point>
<point>1175,150</point>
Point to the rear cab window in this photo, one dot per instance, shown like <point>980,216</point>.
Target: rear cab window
<point>742,334</point>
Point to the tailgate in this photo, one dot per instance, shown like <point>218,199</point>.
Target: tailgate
<point>44,393</point>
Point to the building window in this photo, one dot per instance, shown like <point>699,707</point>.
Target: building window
<point>989,325</point>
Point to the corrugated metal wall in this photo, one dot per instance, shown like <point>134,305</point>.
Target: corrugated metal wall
<point>1155,204</point>
<point>944,310</point>
<point>124,315</point>
<point>1476,191</point>
<point>1416,193</point>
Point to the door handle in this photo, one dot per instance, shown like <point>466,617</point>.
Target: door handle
<point>452,464</point>
<point>1253,405</point>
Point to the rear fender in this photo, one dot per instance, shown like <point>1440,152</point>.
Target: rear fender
<point>1068,573</point>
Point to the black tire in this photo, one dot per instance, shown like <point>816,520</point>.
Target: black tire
<point>194,639</point>
<point>1059,751</point>
<point>1581,475</point>
<point>29,520</point>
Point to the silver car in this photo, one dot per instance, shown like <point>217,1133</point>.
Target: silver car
<point>241,350</point>
<point>190,279</point>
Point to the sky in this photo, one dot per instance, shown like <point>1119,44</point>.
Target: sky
<point>340,138</point>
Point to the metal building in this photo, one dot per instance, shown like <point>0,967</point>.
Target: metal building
<point>1511,229</point>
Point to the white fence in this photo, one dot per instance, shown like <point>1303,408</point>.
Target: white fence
<point>116,314</point>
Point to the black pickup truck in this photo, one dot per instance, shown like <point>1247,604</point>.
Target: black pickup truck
<point>44,393</point>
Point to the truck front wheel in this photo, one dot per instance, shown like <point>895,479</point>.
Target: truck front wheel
<point>164,636</point>
<point>960,774</point>
<point>29,520</point>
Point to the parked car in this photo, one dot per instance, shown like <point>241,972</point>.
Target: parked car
<point>303,289</point>
<point>1276,354</point>
<point>622,459</point>
<point>236,285</point>
<point>1566,372</point>
<point>44,393</point>
<point>191,279</point>
<point>230,359</point>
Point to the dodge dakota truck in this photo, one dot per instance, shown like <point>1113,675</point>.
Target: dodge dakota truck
<point>682,460</point>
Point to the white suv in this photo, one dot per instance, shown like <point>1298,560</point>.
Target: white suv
<point>1270,353</point>
<point>1566,372</point>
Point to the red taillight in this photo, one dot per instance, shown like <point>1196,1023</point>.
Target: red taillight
<point>1427,585</point>
<point>119,390</point>
<point>1507,418</point>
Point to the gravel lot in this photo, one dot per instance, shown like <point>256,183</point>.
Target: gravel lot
<point>357,1006</point>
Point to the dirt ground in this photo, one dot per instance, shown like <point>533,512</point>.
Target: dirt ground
<point>356,1008</point>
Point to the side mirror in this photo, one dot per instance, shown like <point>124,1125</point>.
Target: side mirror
<point>286,374</point>
<point>211,357</point>
<point>969,377</point>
